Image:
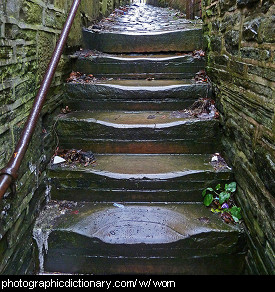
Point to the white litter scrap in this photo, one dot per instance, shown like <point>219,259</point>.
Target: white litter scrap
<point>118,205</point>
<point>58,159</point>
<point>214,158</point>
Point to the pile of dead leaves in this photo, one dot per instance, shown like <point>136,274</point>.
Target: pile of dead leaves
<point>227,218</point>
<point>201,77</point>
<point>74,156</point>
<point>202,105</point>
<point>202,108</point>
<point>198,54</point>
<point>218,162</point>
<point>78,77</point>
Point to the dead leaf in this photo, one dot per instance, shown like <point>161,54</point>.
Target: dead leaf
<point>227,217</point>
<point>65,110</point>
<point>201,77</point>
<point>198,54</point>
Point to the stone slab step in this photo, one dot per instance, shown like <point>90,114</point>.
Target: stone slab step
<point>135,94</point>
<point>137,66</point>
<point>138,177</point>
<point>144,28</point>
<point>138,132</point>
<point>138,238</point>
<point>187,40</point>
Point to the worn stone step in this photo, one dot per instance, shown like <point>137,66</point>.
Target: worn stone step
<point>135,94</point>
<point>139,132</point>
<point>143,28</point>
<point>187,40</point>
<point>135,66</point>
<point>138,238</point>
<point>138,177</point>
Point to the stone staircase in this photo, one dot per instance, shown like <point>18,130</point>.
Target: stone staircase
<point>138,209</point>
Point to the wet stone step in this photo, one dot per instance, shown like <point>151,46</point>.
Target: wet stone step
<point>141,17</point>
<point>135,94</point>
<point>138,177</point>
<point>187,40</point>
<point>123,238</point>
<point>144,28</point>
<point>139,132</point>
<point>137,65</point>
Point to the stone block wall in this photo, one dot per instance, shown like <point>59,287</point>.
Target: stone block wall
<point>192,8</point>
<point>29,30</point>
<point>240,40</point>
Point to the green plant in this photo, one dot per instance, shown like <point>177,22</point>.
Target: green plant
<point>221,201</point>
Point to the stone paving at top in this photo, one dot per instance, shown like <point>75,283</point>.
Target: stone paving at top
<point>144,18</point>
<point>142,28</point>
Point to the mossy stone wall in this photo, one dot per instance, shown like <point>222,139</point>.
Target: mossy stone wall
<point>240,40</point>
<point>29,30</point>
<point>191,8</point>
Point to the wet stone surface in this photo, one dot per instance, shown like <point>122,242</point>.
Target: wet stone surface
<point>143,28</point>
<point>143,18</point>
<point>143,166</point>
<point>130,224</point>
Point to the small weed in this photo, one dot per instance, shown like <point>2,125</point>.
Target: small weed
<point>221,201</point>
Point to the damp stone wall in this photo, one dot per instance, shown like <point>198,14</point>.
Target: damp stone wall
<point>29,30</point>
<point>239,36</point>
<point>192,8</point>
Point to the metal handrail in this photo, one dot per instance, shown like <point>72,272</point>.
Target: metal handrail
<point>9,174</point>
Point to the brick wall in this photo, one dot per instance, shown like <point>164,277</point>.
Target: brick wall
<point>240,39</point>
<point>29,30</point>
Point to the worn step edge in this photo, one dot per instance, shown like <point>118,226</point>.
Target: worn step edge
<point>144,85</point>
<point>81,129</point>
<point>185,66</point>
<point>179,221</point>
<point>143,119</point>
<point>93,187</point>
<point>113,42</point>
<point>145,95</point>
<point>142,166</point>
<point>183,231</point>
<point>119,184</point>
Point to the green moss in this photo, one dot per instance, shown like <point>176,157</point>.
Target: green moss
<point>31,12</point>
<point>6,52</point>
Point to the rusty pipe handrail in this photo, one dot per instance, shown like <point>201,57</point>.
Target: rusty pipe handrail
<point>9,173</point>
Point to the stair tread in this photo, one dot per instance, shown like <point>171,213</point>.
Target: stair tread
<point>145,166</point>
<point>152,32</point>
<point>143,18</point>
<point>124,223</point>
<point>184,28</point>
<point>187,40</point>
<point>135,94</point>
<point>145,84</point>
<point>92,54</point>
<point>158,66</point>
<point>129,119</point>
<point>116,28</point>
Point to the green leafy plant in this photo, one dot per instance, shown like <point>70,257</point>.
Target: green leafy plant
<point>221,201</point>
